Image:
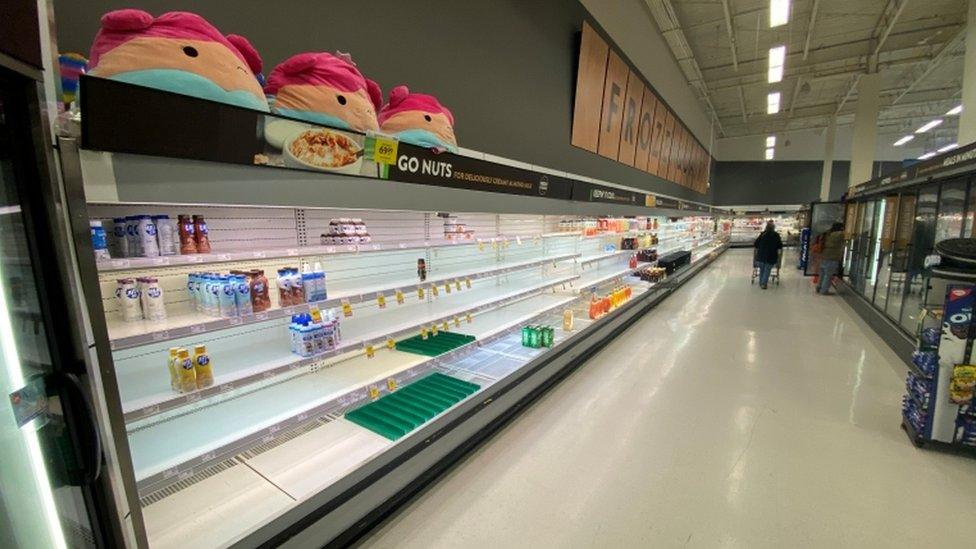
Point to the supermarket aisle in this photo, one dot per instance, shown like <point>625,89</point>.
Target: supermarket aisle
<point>728,416</point>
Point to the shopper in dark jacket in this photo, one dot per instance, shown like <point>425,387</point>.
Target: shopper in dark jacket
<point>830,257</point>
<point>767,245</point>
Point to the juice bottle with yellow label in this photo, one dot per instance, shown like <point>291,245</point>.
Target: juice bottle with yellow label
<point>202,367</point>
<point>174,368</point>
<point>188,376</point>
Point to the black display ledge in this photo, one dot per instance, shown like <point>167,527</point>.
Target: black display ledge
<point>125,118</point>
<point>954,162</point>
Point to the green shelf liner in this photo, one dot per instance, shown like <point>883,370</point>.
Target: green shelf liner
<point>434,345</point>
<point>402,411</point>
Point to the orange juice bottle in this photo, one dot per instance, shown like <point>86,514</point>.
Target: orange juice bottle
<point>188,376</point>
<point>202,367</point>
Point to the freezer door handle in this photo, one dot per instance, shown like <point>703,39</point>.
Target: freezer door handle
<point>89,440</point>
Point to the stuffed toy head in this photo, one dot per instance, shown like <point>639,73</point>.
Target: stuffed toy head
<point>325,89</point>
<point>418,119</point>
<point>179,52</point>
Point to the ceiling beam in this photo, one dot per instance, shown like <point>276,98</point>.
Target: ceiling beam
<point>729,25</point>
<point>886,23</point>
<point>796,93</point>
<point>742,104</point>
<point>935,63</point>
<point>667,22</point>
<point>810,27</point>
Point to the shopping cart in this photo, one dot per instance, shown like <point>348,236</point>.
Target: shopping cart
<point>773,275</point>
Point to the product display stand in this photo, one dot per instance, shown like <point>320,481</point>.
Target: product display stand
<point>938,406</point>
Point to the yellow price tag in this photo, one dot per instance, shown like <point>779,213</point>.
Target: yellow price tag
<point>391,384</point>
<point>505,244</point>
<point>481,246</point>
<point>385,150</point>
<point>433,329</point>
<point>374,392</point>
<point>433,290</point>
<point>457,322</point>
<point>423,332</point>
<point>370,351</point>
<point>457,284</point>
<point>494,244</point>
<point>381,300</point>
<point>468,318</point>
<point>445,327</point>
<point>467,282</point>
<point>399,297</point>
<point>346,308</point>
<point>447,287</point>
<point>390,344</point>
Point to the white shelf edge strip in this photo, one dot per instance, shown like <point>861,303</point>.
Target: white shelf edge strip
<point>216,324</point>
<point>178,400</point>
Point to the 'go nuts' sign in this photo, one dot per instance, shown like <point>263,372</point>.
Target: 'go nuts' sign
<point>618,116</point>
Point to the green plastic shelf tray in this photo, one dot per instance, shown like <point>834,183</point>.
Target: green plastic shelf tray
<point>402,411</point>
<point>434,345</point>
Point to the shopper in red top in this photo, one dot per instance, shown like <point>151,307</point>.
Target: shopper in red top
<point>768,246</point>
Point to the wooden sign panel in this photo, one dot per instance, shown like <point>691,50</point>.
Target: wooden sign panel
<point>611,120</point>
<point>631,122</point>
<point>645,130</point>
<point>665,165</point>
<point>589,90</point>
<point>657,139</point>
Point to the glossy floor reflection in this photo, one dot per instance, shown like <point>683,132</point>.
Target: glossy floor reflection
<point>728,417</point>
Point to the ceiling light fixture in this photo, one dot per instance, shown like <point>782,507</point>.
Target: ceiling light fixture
<point>904,140</point>
<point>948,147</point>
<point>770,153</point>
<point>927,155</point>
<point>929,126</point>
<point>954,110</point>
<point>772,103</point>
<point>771,141</point>
<point>779,12</point>
<point>777,58</point>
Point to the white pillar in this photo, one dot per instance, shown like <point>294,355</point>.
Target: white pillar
<point>865,127</point>
<point>967,120</point>
<point>828,163</point>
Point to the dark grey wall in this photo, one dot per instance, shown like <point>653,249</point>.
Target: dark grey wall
<point>506,68</point>
<point>780,181</point>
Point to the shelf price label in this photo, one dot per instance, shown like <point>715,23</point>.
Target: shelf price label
<point>423,332</point>
<point>445,327</point>
<point>370,351</point>
<point>399,297</point>
<point>390,344</point>
<point>420,292</point>
<point>467,282</point>
<point>391,384</point>
<point>447,287</point>
<point>518,240</point>
<point>457,284</point>
<point>433,329</point>
<point>346,308</point>
<point>381,301</point>
<point>374,392</point>
<point>481,246</point>
<point>468,318</point>
<point>385,150</point>
<point>457,322</point>
<point>433,290</point>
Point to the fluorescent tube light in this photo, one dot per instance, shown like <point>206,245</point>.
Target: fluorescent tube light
<point>954,110</point>
<point>770,153</point>
<point>771,141</point>
<point>948,147</point>
<point>929,126</point>
<point>772,103</point>
<point>779,12</point>
<point>904,140</point>
<point>777,58</point>
<point>927,155</point>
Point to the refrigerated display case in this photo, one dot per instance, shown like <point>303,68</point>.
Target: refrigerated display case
<point>746,228</point>
<point>316,408</point>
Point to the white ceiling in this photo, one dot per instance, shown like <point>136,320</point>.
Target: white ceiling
<point>722,47</point>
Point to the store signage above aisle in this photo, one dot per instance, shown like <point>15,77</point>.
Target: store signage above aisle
<point>918,173</point>
<point>618,115</point>
<point>124,118</point>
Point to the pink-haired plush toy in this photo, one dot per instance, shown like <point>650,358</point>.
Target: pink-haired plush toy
<point>326,89</point>
<point>179,52</point>
<point>418,119</point>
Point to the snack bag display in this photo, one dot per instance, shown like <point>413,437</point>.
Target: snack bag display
<point>324,89</point>
<point>179,52</point>
<point>418,119</point>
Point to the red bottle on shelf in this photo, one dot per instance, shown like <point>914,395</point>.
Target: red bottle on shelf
<point>202,235</point>
<point>188,241</point>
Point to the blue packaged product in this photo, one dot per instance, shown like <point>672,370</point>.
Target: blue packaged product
<point>227,297</point>
<point>309,286</point>
<point>243,296</point>
<point>931,336</point>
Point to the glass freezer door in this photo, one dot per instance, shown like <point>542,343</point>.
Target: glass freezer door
<point>42,502</point>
